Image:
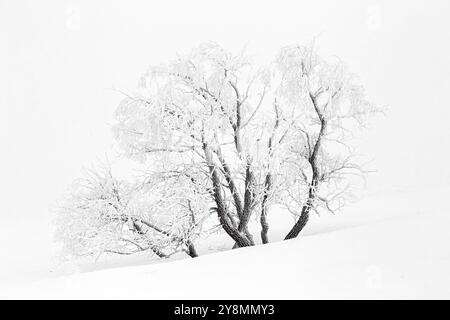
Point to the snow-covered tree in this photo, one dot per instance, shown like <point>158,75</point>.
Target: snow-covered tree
<point>105,215</point>
<point>325,106</point>
<point>197,116</point>
<point>219,135</point>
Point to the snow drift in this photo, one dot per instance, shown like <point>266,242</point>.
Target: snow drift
<point>398,247</point>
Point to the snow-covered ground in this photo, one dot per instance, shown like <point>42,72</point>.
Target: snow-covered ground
<point>393,245</point>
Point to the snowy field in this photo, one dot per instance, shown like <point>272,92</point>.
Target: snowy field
<point>383,247</point>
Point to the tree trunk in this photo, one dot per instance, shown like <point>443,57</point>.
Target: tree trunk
<point>312,193</point>
<point>304,216</point>
<point>249,238</point>
<point>248,201</point>
<point>300,224</point>
<point>191,251</point>
<point>263,219</point>
<point>237,235</point>
<point>264,228</point>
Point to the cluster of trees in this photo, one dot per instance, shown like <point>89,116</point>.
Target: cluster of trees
<point>221,139</point>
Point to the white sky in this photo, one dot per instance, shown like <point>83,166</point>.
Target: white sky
<point>60,60</point>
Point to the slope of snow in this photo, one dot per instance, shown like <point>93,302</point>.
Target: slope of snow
<point>384,247</point>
